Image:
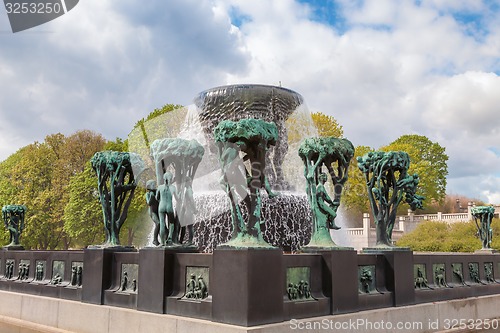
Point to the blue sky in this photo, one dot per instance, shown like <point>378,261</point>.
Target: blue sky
<point>382,68</point>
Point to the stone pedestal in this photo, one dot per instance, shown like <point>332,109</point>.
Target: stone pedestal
<point>398,273</point>
<point>399,277</point>
<point>96,274</point>
<point>340,279</point>
<point>155,278</point>
<point>247,286</point>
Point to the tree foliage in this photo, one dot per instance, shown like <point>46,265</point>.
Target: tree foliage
<point>38,176</point>
<point>355,196</point>
<point>437,236</point>
<point>428,160</point>
<point>83,214</point>
<point>327,125</point>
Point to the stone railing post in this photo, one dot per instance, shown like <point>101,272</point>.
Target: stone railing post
<point>366,229</point>
<point>411,215</point>
<point>402,225</point>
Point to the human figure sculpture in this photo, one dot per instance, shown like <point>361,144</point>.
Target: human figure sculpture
<point>457,271</point>
<point>124,282</point>
<point>196,288</point>
<point>201,289</point>
<point>57,279</point>
<point>23,271</point>
<point>73,275</point>
<point>440,277</point>
<point>420,280</point>
<point>9,270</point>
<point>164,195</point>
<point>484,214</point>
<point>292,292</point>
<point>473,273</point>
<point>488,272</point>
<point>324,202</point>
<point>153,205</point>
<point>39,271</point>
<point>13,217</point>
<point>20,271</point>
<point>191,287</point>
<point>335,155</point>
<point>366,280</point>
<point>388,183</point>
<point>79,274</point>
<point>183,157</point>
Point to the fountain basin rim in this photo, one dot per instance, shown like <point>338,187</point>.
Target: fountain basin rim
<point>248,86</point>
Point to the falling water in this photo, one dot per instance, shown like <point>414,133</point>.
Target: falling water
<point>287,217</point>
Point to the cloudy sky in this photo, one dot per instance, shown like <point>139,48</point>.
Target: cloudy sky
<point>382,68</point>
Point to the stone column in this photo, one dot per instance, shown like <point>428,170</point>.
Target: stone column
<point>366,231</point>
<point>399,276</point>
<point>469,210</point>
<point>155,279</point>
<point>96,274</point>
<point>340,280</point>
<point>247,286</point>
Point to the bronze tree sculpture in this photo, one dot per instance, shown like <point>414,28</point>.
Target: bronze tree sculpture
<point>251,137</point>
<point>13,218</point>
<point>484,214</point>
<point>116,186</point>
<point>335,154</point>
<point>184,156</point>
<point>388,182</point>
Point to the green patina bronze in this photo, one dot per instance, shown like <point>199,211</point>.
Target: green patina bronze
<point>184,156</point>
<point>335,154</point>
<point>13,218</point>
<point>484,214</point>
<point>116,186</point>
<point>388,182</point>
<point>242,178</point>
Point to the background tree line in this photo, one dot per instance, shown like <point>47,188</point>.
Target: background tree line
<point>55,181</point>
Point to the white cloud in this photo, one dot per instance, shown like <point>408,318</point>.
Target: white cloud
<point>383,69</point>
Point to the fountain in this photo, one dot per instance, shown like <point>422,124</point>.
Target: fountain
<point>279,213</point>
<point>237,102</point>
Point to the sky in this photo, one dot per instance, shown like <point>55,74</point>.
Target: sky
<point>382,68</point>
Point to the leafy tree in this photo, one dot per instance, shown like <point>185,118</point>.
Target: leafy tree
<point>428,236</point>
<point>327,125</point>
<point>72,153</point>
<point>439,236</point>
<point>37,176</point>
<point>428,160</point>
<point>355,196</point>
<point>164,122</point>
<point>32,180</point>
<point>83,213</point>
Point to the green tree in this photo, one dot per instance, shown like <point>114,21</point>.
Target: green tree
<point>164,122</point>
<point>83,213</point>
<point>327,125</point>
<point>32,180</point>
<point>37,176</point>
<point>428,160</point>
<point>428,236</point>
<point>437,236</point>
<point>355,198</point>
